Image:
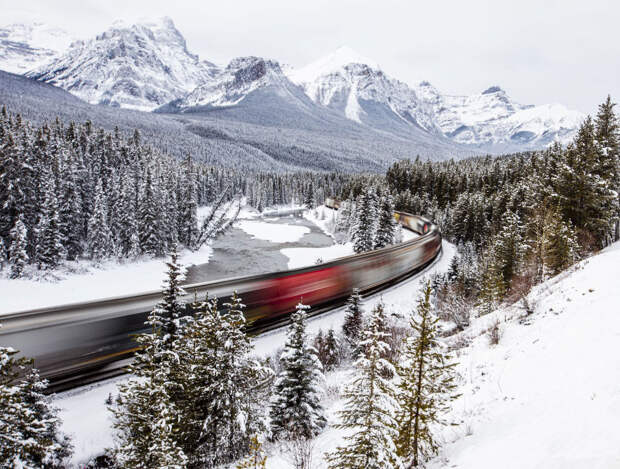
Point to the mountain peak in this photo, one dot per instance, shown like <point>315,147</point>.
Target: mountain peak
<point>493,89</point>
<point>331,63</point>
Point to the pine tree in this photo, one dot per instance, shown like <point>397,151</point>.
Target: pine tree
<point>608,136</point>
<point>148,416</point>
<point>49,249</point>
<point>386,224</point>
<point>296,411</point>
<point>363,231</point>
<point>29,427</point>
<point>18,258</point>
<point>219,365</point>
<point>426,387</point>
<point>352,326</point>
<point>560,248</point>
<point>370,409</point>
<point>188,222</point>
<point>330,351</point>
<point>70,207</point>
<point>166,316</point>
<point>3,254</point>
<point>149,218</point>
<point>99,242</point>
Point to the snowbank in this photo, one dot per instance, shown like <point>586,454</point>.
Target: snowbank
<point>273,232</point>
<point>301,257</point>
<point>82,281</point>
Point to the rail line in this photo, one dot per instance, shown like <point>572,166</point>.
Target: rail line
<point>77,344</point>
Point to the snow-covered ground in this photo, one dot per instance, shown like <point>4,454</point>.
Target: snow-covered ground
<point>83,281</point>
<point>276,233</point>
<point>547,396</point>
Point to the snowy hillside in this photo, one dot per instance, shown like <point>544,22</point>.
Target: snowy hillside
<point>548,395</point>
<point>140,66</point>
<point>24,46</point>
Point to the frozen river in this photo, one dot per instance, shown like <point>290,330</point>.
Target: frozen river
<point>256,249</point>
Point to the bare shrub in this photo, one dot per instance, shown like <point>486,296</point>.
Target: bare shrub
<point>299,452</point>
<point>459,342</point>
<point>494,333</point>
<point>452,306</point>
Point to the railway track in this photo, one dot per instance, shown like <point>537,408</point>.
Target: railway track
<point>78,344</point>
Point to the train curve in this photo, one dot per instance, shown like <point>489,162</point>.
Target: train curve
<point>84,342</point>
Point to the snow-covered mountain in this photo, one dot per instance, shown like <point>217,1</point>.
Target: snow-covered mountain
<point>361,91</point>
<point>492,118</point>
<point>147,66</point>
<point>356,87</point>
<point>241,77</point>
<point>24,46</point>
<point>140,66</point>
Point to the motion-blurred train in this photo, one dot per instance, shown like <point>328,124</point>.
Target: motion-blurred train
<point>89,339</point>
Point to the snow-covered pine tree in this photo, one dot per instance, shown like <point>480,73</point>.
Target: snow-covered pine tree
<point>99,241</point>
<point>149,214</point>
<point>607,127</point>
<point>18,258</point>
<point>166,316</point>
<point>296,411</point>
<point>216,420</point>
<point>256,459</point>
<point>492,285</point>
<point>343,221</point>
<point>353,319</point>
<point>369,409</point>
<point>188,221</point>
<point>70,206</point>
<point>49,248</point>
<point>309,199</point>
<point>29,426</point>
<point>128,229</point>
<point>583,192</point>
<point>3,254</point>
<point>560,247</point>
<point>426,387</point>
<point>363,231</point>
<point>148,416</point>
<point>386,224</point>
<point>330,351</point>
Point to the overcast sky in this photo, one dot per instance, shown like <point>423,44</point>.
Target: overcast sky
<point>539,51</point>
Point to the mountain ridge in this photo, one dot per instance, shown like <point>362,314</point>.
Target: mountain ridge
<point>148,66</point>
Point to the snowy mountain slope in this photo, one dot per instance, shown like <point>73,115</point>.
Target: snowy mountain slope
<point>241,77</point>
<point>255,90</point>
<point>361,91</point>
<point>548,395</point>
<point>260,133</point>
<point>24,46</point>
<point>140,66</point>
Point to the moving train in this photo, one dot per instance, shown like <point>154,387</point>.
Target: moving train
<point>92,338</point>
